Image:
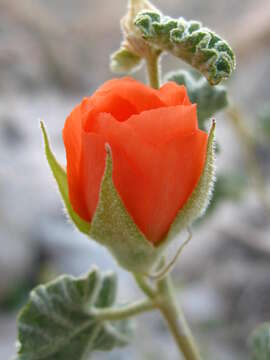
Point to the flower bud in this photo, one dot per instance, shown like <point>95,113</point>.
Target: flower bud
<point>139,170</point>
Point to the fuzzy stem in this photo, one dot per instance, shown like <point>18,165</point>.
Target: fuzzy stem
<point>124,312</point>
<point>176,320</point>
<point>152,64</point>
<point>162,297</point>
<point>144,286</point>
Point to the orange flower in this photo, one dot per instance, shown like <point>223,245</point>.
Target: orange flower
<point>158,151</point>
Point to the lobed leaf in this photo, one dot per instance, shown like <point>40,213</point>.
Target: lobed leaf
<point>59,322</point>
<point>190,41</point>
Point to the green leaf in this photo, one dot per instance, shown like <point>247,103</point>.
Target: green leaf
<point>59,321</point>
<point>124,61</point>
<point>260,343</point>
<point>209,99</point>
<point>200,198</point>
<point>113,227</point>
<point>61,178</point>
<point>188,40</point>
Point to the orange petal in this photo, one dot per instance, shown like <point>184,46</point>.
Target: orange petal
<point>158,125</point>
<point>72,133</point>
<point>172,94</point>
<point>112,104</point>
<point>127,168</point>
<point>140,96</point>
<point>182,162</point>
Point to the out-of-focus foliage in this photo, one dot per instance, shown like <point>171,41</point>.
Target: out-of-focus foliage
<point>260,342</point>
<point>264,121</point>
<point>227,187</point>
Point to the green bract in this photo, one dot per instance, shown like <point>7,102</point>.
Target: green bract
<point>60,319</point>
<point>124,61</point>
<point>198,46</point>
<point>113,227</point>
<point>61,178</point>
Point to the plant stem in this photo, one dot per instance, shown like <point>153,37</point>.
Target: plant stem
<point>176,320</point>
<point>124,311</point>
<point>144,286</point>
<point>163,299</point>
<point>152,64</point>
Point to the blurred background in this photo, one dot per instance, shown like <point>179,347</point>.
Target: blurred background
<point>53,53</point>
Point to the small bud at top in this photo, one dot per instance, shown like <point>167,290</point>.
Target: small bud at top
<point>134,47</point>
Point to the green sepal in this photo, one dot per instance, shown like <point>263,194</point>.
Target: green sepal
<point>61,179</point>
<point>124,61</point>
<point>188,40</point>
<point>60,322</point>
<point>209,99</point>
<point>201,196</point>
<point>259,342</point>
<point>113,227</point>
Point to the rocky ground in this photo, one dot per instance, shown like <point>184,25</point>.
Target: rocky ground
<point>52,53</point>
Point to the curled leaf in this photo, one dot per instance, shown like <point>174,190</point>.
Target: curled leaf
<point>190,41</point>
